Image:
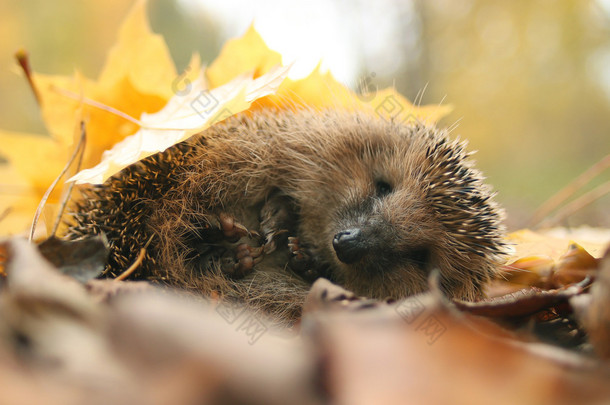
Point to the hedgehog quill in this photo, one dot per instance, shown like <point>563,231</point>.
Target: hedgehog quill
<point>257,207</point>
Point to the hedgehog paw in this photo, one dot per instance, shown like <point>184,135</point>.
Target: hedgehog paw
<point>240,261</point>
<point>301,261</point>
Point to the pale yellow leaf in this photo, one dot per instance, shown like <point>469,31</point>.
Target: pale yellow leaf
<point>183,116</point>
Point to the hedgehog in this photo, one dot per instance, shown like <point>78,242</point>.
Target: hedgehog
<point>257,207</point>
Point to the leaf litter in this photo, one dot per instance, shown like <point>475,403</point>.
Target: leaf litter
<point>131,342</point>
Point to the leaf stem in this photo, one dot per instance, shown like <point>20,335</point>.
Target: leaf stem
<point>24,62</point>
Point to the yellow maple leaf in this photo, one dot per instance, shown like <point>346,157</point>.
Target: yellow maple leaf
<point>133,86</point>
<point>129,83</point>
<point>250,54</point>
<point>18,200</point>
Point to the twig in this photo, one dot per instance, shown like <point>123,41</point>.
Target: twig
<point>46,195</point>
<point>133,266</point>
<point>83,142</point>
<point>136,263</point>
<point>565,193</point>
<point>24,61</point>
<point>578,204</point>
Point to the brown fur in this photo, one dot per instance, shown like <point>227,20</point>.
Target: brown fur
<point>437,214</point>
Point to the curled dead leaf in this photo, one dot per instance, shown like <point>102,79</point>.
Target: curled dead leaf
<point>521,303</point>
<point>83,259</point>
<point>556,269</point>
<point>574,266</point>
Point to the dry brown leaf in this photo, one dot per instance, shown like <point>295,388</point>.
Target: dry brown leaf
<point>521,303</point>
<point>82,259</point>
<point>432,356</point>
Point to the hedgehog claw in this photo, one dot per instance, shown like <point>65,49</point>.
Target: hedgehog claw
<point>270,243</point>
<point>298,254</point>
<point>277,218</point>
<point>233,231</point>
<point>303,262</point>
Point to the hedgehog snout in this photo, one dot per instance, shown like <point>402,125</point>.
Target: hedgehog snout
<point>350,245</point>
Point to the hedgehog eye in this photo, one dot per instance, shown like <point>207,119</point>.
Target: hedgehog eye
<point>382,188</point>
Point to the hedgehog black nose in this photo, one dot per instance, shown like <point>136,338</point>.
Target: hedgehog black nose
<point>349,245</point>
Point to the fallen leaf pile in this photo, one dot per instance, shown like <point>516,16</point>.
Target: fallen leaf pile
<point>66,337</point>
<point>108,341</point>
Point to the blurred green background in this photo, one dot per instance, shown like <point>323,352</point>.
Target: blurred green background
<point>529,79</point>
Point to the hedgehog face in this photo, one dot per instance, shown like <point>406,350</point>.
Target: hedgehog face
<point>383,221</point>
<point>381,241</point>
<point>368,224</point>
